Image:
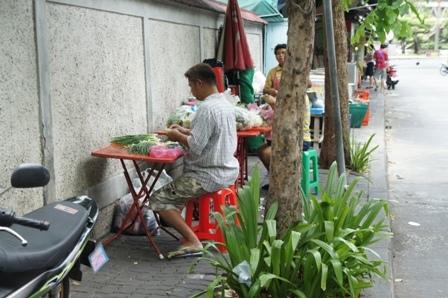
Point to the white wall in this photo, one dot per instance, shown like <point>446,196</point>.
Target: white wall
<point>78,72</point>
<point>19,102</point>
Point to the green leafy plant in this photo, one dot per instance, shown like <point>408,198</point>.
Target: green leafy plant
<point>269,261</point>
<point>361,154</point>
<point>387,16</point>
<point>324,255</point>
<point>335,250</point>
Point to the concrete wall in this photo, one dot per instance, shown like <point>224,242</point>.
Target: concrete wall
<point>19,101</point>
<point>76,73</point>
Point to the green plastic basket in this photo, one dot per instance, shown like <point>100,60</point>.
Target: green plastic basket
<point>358,112</point>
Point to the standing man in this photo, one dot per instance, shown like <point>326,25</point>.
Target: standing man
<point>209,162</point>
<point>381,61</point>
<point>275,74</point>
<point>270,91</point>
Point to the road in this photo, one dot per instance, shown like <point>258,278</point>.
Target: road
<point>417,151</point>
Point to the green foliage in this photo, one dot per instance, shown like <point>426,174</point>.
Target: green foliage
<point>325,255</point>
<point>387,16</point>
<point>336,260</point>
<point>360,154</point>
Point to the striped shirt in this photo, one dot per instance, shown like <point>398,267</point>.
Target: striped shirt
<point>212,144</point>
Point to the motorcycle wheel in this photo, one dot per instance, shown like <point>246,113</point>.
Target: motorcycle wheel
<point>62,290</point>
<point>444,70</point>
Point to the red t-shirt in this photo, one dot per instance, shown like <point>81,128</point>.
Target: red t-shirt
<point>381,58</point>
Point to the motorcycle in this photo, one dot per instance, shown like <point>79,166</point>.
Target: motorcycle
<point>444,69</point>
<point>392,78</point>
<point>42,251</point>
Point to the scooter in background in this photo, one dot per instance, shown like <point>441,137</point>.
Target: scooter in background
<point>42,251</point>
<point>444,69</point>
<point>392,77</point>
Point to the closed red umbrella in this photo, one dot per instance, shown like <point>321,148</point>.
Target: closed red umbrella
<point>236,54</point>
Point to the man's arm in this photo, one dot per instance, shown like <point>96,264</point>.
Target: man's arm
<point>183,130</point>
<point>271,100</point>
<point>177,136</point>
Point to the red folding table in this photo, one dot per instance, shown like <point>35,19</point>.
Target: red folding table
<point>118,152</point>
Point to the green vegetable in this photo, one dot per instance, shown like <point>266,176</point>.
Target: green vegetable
<point>139,144</point>
<point>141,148</point>
<point>134,139</point>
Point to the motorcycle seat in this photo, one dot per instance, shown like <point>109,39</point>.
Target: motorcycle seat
<point>45,249</point>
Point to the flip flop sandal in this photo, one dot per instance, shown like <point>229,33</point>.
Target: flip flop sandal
<point>184,252</point>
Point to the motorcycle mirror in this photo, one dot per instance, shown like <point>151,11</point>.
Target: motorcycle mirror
<point>29,175</point>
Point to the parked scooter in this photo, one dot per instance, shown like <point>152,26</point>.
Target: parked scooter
<point>444,69</point>
<point>392,77</point>
<point>42,251</point>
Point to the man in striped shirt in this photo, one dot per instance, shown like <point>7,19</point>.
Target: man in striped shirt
<point>209,162</point>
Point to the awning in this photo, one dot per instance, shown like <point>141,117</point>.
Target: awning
<point>266,9</point>
<point>220,6</point>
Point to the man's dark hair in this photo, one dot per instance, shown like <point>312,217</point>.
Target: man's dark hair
<point>279,46</point>
<point>202,72</point>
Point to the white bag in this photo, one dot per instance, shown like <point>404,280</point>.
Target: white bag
<point>123,205</point>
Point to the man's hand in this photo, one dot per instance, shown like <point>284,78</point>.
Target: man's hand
<point>271,91</point>
<point>271,100</point>
<point>181,129</point>
<point>177,136</point>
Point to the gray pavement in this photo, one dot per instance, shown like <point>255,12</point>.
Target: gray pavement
<point>417,146</point>
<point>135,271</point>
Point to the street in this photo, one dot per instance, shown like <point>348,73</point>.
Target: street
<point>417,151</point>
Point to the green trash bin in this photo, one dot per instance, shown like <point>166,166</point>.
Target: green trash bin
<point>358,111</point>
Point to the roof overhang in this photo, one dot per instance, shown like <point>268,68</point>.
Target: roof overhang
<point>219,7</point>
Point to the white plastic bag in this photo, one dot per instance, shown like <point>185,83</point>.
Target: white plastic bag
<point>233,99</point>
<point>124,204</point>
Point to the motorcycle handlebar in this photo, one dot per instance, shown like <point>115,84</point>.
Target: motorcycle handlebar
<point>7,218</point>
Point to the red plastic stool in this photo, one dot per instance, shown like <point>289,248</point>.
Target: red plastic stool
<point>207,228</point>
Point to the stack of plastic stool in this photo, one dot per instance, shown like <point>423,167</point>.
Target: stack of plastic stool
<point>207,228</point>
<point>310,172</point>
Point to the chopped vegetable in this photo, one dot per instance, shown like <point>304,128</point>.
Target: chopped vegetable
<point>133,139</point>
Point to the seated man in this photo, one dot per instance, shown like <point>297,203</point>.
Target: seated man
<point>265,152</point>
<point>209,162</point>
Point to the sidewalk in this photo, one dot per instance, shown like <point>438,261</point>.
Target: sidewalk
<point>135,271</point>
<point>378,186</point>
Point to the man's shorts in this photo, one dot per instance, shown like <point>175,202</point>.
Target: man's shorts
<point>175,194</point>
<point>380,74</point>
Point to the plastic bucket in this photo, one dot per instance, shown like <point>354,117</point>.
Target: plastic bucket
<point>358,112</point>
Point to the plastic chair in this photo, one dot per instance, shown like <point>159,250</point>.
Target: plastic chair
<point>310,172</point>
<point>207,228</point>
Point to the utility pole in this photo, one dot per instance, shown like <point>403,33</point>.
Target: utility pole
<point>331,52</point>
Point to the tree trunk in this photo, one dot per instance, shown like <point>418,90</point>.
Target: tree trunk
<point>285,169</point>
<point>328,151</point>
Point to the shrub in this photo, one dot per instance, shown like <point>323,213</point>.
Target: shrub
<point>360,154</point>
<point>325,255</point>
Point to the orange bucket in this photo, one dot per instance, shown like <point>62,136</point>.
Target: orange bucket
<point>363,94</point>
<point>365,121</point>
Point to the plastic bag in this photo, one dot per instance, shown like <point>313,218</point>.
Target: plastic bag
<point>183,116</point>
<point>233,99</point>
<point>124,204</point>
<point>121,210</point>
<point>161,151</point>
<point>258,82</point>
